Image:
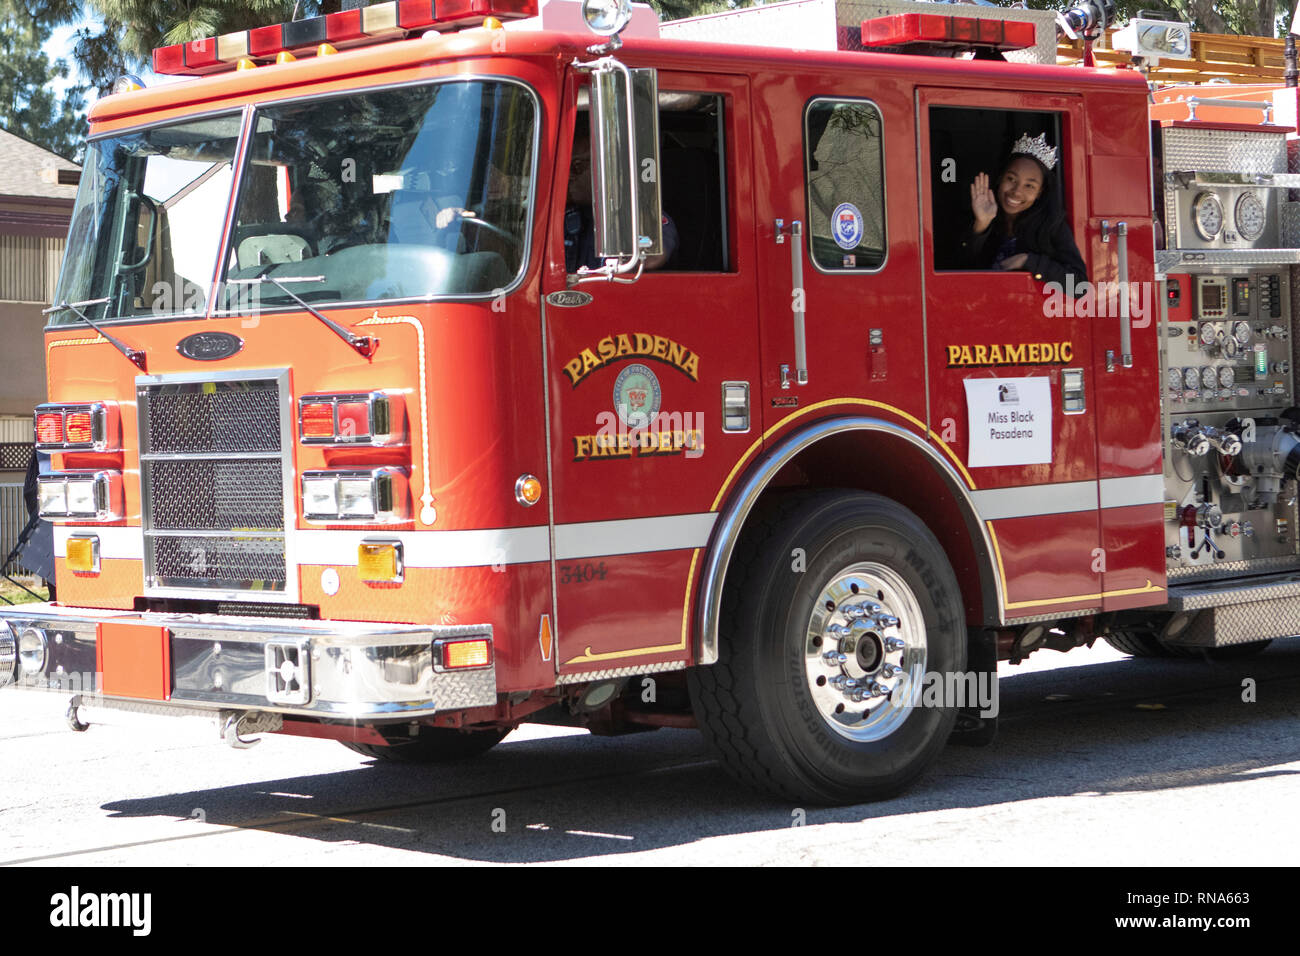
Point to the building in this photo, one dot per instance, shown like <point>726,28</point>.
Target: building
<point>37,190</point>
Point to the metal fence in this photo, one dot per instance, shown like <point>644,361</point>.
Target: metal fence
<point>13,518</point>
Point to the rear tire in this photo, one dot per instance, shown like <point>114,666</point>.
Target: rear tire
<point>838,572</point>
<point>1141,643</point>
<point>433,745</point>
<point>1138,644</point>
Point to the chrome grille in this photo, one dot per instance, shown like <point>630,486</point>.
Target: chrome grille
<point>217,494</point>
<point>245,563</point>
<point>232,417</point>
<point>212,474</point>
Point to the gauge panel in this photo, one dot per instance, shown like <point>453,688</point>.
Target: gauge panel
<point>1249,216</point>
<point>1207,216</point>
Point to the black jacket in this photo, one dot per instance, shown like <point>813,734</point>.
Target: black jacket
<point>1058,258</point>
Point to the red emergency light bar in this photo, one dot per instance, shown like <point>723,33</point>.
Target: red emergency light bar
<point>376,23</point>
<point>932,30</point>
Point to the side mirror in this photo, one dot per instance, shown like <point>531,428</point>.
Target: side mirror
<point>626,202</point>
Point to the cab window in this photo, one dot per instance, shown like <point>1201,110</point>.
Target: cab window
<point>844,163</point>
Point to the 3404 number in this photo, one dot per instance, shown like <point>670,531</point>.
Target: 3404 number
<point>582,573</point>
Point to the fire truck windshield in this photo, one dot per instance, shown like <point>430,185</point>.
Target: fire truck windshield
<point>147,222</point>
<point>401,193</point>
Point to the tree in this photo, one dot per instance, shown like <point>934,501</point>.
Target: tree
<point>30,104</point>
<point>1247,17</point>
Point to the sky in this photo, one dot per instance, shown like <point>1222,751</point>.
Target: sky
<point>59,47</point>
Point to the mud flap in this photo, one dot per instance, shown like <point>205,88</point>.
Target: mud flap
<point>976,725</point>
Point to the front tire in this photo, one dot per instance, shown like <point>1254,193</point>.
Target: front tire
<point>838,605</point>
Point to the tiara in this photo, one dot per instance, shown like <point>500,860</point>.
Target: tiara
<point>1037,148</point>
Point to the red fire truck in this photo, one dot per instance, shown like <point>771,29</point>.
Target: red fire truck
<point>378,414</point>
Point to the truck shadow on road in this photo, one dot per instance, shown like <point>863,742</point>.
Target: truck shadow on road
<point>1122,726</point>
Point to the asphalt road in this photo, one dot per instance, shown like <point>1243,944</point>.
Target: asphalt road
<point>1100,759</point>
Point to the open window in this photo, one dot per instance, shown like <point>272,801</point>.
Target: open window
<point>693,185</point>
<point>965,142</point>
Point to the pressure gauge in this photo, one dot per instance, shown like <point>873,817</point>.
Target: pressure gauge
<point>1229,347</point>
<point>1209,377</point>
<point>1176,379</point>
<point>1209,334</point>
<point>1226,376</point>
<point>1241,332</point>
<point>1190,377</point>
<point>1249,217</point>
<point>1207,214</point>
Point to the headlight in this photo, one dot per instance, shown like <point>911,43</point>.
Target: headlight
<point>31,650</point>
<point>372,496</point>
<point>82,500</point>
<point>83,495</point>
<point>356,498</point>
<point>53,497</point>
<point>319,497</point>
<point>8,655</point>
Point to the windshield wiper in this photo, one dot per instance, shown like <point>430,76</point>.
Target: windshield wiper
<point>366,345</point>
<point>137,357</point>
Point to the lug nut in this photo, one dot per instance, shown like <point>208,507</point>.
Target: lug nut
<point>894,644</point>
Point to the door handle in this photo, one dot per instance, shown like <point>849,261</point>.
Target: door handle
<point>1120,230</point>
<point>797,298</point>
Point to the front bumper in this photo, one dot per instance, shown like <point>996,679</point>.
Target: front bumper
<point>208,662</point>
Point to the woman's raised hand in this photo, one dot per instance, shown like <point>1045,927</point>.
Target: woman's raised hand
<point>982,204</point>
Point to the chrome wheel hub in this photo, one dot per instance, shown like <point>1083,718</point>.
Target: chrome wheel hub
<point>865,652</point>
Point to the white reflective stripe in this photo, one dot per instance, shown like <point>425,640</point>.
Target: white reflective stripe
<point>1024,501</point>
<point>459,549</point>
<point>593,539</point>
<point>1136,490</point>
<point>431,549</point>
<point>118,542</point>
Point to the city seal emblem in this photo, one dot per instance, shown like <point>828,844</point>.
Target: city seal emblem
<point>846,226</point>
<point>637,396</point>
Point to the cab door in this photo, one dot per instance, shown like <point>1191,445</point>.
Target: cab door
<point>837,167</point>
<point>1011,381</point>
<point>635,375</point>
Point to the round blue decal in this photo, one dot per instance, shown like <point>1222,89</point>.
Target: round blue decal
<point>846,226</point>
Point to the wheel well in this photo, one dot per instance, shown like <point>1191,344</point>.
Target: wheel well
<point>874,456</point>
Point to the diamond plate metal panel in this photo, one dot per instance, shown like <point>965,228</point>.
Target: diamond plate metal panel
<point>1290,224</point>
<point>632,671</point>
<point>1058,616</point>
<point>1224,151</point>
<point>1227,569</point>
<point>1191,597</point>
<point>1192,260</point>
<point>1242,624</point>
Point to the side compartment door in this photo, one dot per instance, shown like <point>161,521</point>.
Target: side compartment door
<point>1012,387</point>
<point>635,387</point>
